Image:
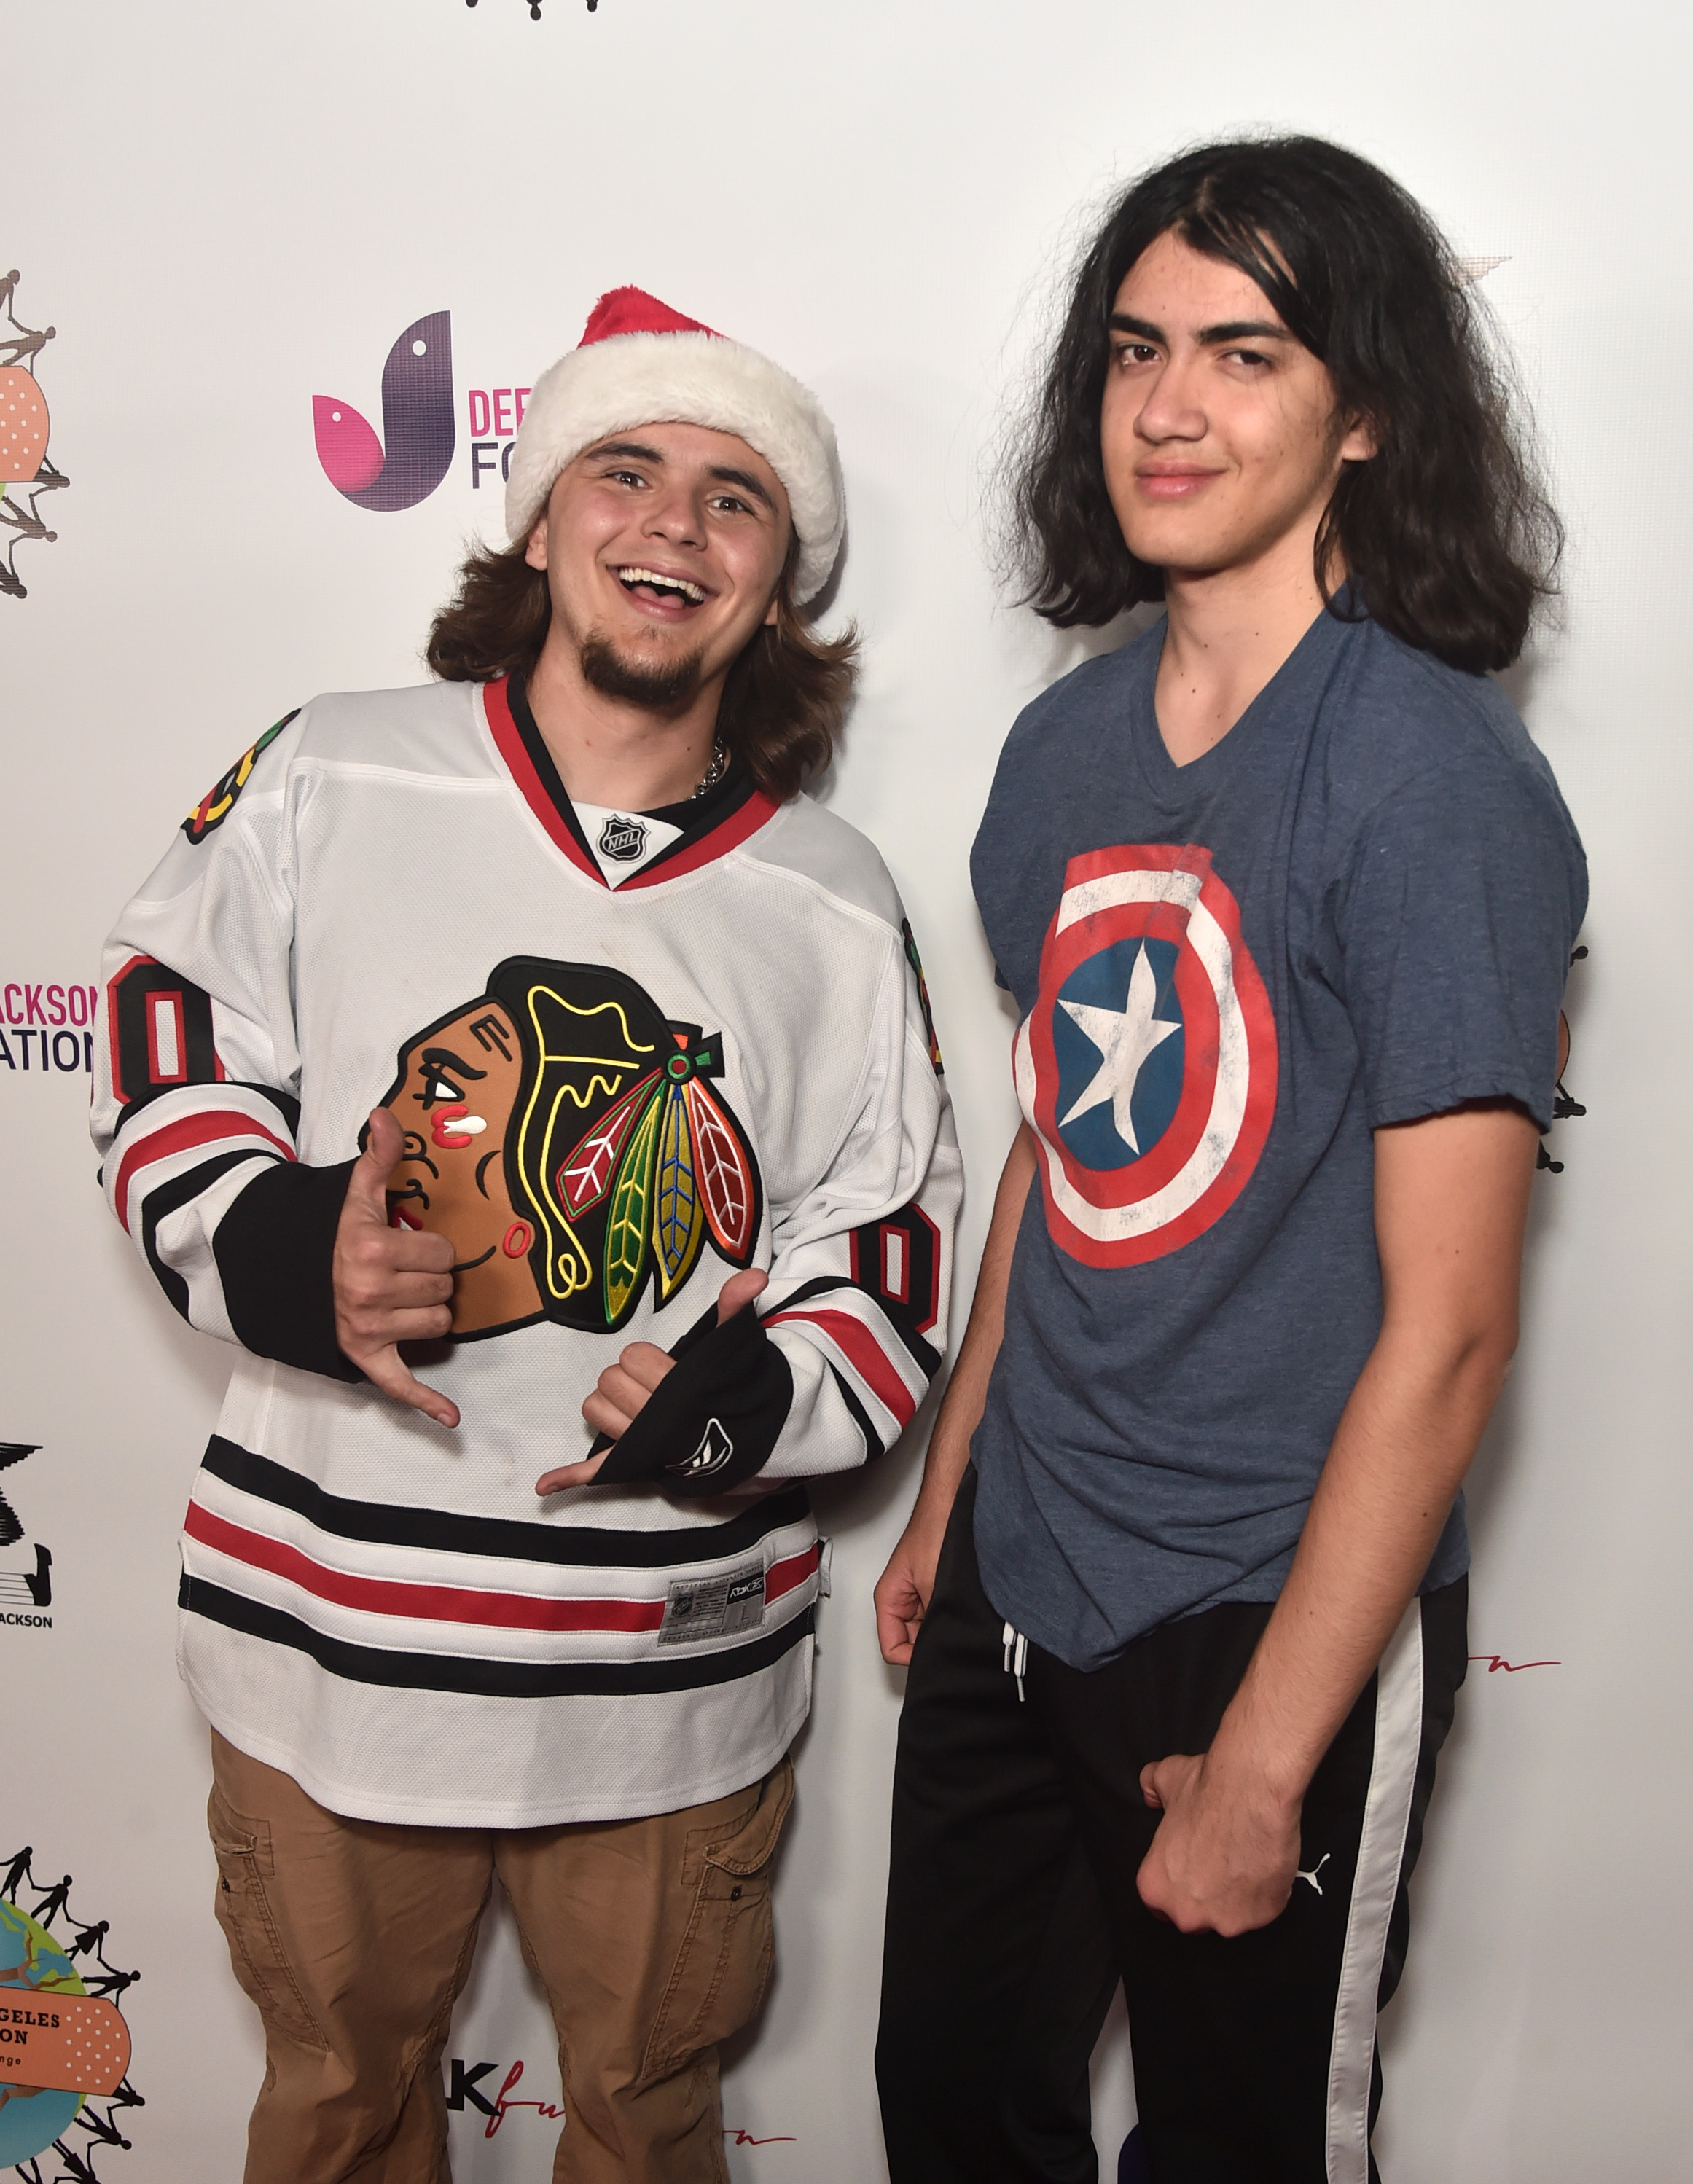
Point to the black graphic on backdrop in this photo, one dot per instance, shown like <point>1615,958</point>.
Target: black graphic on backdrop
<point>1564,1107</point>
<point>535,7</point>
<point>22,1591</point>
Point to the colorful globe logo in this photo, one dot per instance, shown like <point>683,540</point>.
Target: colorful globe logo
<point>32,2118</point>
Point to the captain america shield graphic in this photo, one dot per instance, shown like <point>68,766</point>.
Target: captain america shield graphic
<point>1147,1066</point>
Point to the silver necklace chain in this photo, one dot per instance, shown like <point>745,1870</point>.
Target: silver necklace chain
<point>715,772</point>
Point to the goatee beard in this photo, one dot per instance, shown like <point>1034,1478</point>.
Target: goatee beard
<point>659,688</point>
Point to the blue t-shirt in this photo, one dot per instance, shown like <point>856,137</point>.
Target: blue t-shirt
<point>1356,909</point>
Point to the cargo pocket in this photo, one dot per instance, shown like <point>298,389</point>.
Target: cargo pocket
<point>245,1865</point>
<point>718,1980</point>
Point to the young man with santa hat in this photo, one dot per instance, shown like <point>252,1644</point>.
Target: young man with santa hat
<point>530,1029</point>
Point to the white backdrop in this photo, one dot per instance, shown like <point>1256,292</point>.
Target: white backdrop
<point>224,211</point>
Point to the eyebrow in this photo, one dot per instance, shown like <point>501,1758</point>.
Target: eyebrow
<point>1231,330</point>
<point>442,1057</point>
<point>637,451</point>
<point>747,482</point>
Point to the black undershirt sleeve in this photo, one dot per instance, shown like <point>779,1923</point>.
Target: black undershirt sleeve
<point>275,1249</point>
<point>714,1419</point>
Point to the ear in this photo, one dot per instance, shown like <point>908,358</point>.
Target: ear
<point>772,611</point>
<point>535,552</point>
<point>1361,441</point>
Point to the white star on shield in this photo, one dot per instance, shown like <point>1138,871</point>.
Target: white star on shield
<point>1125,1038</point>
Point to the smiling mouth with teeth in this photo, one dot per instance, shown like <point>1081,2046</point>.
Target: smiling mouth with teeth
<point>662,587</point>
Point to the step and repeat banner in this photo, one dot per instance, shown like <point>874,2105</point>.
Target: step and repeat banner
<point>274,282</point>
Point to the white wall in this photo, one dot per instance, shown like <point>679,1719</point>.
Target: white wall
<point>225,210</point>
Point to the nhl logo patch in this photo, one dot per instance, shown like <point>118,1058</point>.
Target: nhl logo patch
<point>622,839</point>
<point>1148,1065</point>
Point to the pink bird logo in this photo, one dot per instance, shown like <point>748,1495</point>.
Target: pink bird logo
<point>415,450</point>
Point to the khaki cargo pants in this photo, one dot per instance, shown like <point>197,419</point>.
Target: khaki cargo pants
<point>652,1938</point>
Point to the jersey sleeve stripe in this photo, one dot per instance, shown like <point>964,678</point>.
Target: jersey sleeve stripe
<point>863,1353</point>
<point>848,1292</point>
<point>286,1106</point>
<point>169,1197</point>
<point>187,1132</point>
<point>874,1443</point>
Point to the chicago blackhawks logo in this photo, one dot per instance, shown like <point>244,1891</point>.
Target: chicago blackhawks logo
<point>218,800</point>
<point>1147,1066</point>
<point>563,1134</point>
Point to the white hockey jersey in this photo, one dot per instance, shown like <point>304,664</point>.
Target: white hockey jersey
<point>613,1095</point>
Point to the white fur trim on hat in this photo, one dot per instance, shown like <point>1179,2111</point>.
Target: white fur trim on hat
<point>626,380</point>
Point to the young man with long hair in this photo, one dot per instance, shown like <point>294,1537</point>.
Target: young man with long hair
<point>1285,897</point>
<point>529,1027</point>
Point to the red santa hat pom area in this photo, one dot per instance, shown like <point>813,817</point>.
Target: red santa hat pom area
<point>641,363</point>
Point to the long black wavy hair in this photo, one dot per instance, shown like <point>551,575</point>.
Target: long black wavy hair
<point>1446,534</point>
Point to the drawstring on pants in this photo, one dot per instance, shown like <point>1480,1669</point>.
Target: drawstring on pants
<point>1017,1657</point>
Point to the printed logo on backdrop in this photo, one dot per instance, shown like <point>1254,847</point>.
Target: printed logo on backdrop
<point>47,1028</point>
<point>470,2088</point>
<point>415,451</point>
<point>64,2048</point>
<point>25,1565</point>
<point>478,2089</point>
<point>534,7</point>
<point>419,434</point>
<point>1565,1107</point>
<point>27,473</point>
<point>495,413</point>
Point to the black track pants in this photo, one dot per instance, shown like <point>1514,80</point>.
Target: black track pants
<point>1018,1830</point>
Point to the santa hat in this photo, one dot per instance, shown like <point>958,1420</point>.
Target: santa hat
<point>641,363</point>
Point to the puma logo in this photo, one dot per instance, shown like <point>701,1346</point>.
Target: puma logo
<point>1315,1870</point>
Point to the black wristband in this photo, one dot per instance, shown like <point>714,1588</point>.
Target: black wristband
<point>714,1419</point>
<point>275,1254</point>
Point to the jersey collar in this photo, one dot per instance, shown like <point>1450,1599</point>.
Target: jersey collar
<point>712,825</point>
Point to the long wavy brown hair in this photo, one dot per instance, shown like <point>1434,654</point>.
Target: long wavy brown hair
<point>785,701</point>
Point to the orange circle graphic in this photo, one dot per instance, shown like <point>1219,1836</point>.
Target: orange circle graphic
<point>23,426</point>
